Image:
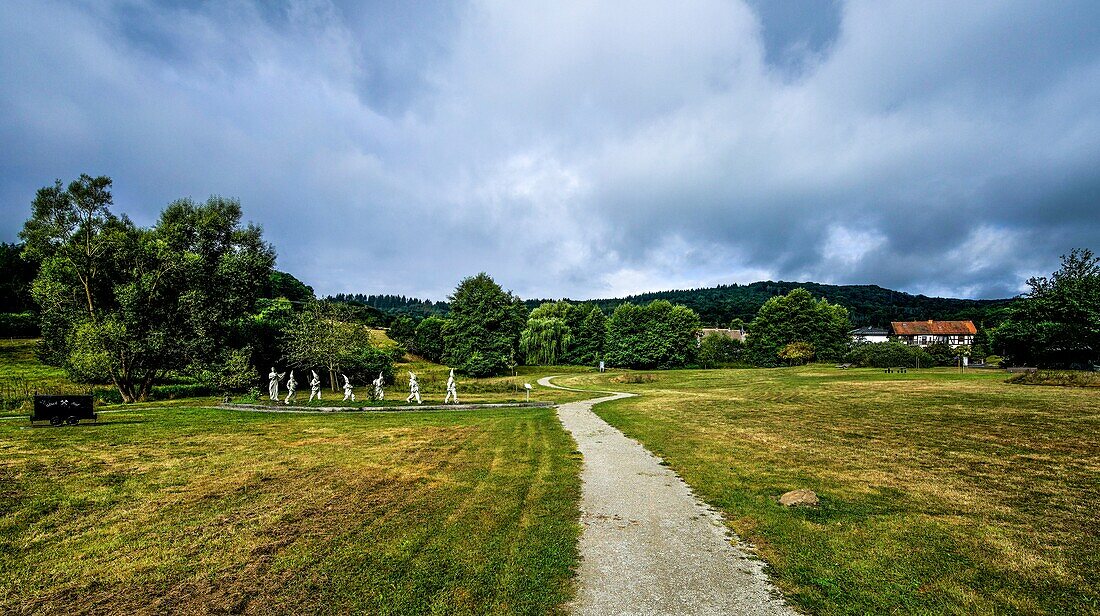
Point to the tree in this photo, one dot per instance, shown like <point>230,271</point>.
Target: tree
<point>658,335</point>
<point>797,353</point>
<point>483,329</point>
<point>797,317</point>
<point>69,227</point>
<point>142,301</point>
<point>716,349</point>
<point>321,336</point>
<point>403,331</point>
<point>282,284</point>
<point>15,285</point>
<point>545,341</point>
<point>590,337</point>
<point>1058,323</point>
<point>428,339</point>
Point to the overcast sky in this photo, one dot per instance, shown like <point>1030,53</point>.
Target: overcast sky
<point>581,149</point>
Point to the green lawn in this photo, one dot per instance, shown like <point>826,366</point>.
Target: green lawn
<point>942,493</point>
<point>194,510</point>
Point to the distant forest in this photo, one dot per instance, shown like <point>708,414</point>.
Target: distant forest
<point>718,306</point>
<point>395,304</point>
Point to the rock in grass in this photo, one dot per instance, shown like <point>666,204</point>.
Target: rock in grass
<point>798,498</point>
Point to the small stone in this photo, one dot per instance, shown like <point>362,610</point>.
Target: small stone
<point>799,498</point>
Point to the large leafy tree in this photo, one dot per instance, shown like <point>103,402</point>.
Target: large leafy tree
<point>797,317</point>
<point>142,302</point>
<point>483,328</point>
<point>658,335</point>
<point>589,337</point>
<point>428,338</point>
<point>323,336</point>
<point>1058,323</point>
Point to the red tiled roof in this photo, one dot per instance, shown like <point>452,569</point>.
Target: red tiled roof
<point>935,328</point>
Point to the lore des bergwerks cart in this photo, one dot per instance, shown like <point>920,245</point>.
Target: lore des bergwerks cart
<point>60,410</point>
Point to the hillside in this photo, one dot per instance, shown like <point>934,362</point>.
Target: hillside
<point>867,304</point>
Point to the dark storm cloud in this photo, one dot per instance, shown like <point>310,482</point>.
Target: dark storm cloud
<point>581,149</point>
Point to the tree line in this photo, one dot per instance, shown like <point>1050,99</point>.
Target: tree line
<point>193,297</point>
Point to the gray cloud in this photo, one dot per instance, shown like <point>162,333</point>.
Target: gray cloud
<point>581,149</point>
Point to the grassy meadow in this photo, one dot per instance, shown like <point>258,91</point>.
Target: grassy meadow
<point>192,510</point>
<point>941,492</point>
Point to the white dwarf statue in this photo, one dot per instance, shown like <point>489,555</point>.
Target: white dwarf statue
<point>379,392</point>
<point>414,389</point>
<point>315,386</point>
<point>291,389</point>
<point>452,389</point>
<point>273,379</point>
<point>348,393</point>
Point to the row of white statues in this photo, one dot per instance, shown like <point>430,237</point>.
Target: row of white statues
<point>274,378</point>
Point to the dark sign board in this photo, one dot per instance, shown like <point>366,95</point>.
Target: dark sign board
<point>63,409</point>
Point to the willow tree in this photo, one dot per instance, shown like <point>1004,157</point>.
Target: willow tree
<point>545,341</point>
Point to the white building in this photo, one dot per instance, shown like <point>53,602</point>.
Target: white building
<point>869,334</point>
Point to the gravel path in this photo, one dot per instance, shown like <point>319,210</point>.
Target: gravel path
<point>649,546</point>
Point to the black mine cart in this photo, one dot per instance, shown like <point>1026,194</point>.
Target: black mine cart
<point>60,410</point>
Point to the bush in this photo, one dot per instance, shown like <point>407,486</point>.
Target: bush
<point>942,353</point>
<point>364,365</point>
<point>1059,378</point>
<point>233,371</point>
<point>718,350</point>
<point>889,355</point>
<point>396,353</point>
<point>18,325</point>
<point>994,360</point>
<point>657,335</point>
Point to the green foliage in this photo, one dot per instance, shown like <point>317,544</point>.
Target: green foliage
<point>321,337</point>
<point>716,350</point>
<point>889,355</point>
<point>658,335</point>
<point>151,300</point>
<point>232,371</point>
<point>545,340</point>
<point>589,337</point>
<point>18,325</point>
<point>481,337</point>
<point>943,354</point>
<point>1058,323</point>
<point>1056,378</point>
<point>796,353</point>
<point>797,317</point>
<point>282,284</point>
<point>403,331</point>
<point>88,357</point>
<point>15,284</point>
<point>866,304</point>
<point>428,339</point>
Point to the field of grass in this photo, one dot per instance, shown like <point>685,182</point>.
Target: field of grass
<point>941,492</point>
<point>182,509</point>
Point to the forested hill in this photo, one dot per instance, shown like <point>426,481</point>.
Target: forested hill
<point>866,304</point>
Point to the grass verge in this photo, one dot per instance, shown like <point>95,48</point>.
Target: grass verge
<point>182,509</point>
<point>941,492</point>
